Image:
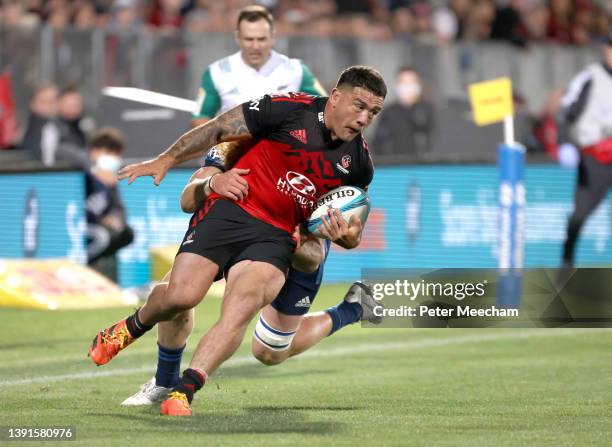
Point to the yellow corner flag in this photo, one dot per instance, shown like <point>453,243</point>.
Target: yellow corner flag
<point>491,100</point>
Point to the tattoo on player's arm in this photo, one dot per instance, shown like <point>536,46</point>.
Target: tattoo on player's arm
<point>229,126</point>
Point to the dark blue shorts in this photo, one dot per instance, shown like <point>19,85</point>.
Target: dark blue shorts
<point>300,289</point>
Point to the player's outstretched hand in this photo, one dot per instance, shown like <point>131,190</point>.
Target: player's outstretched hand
<point>338,230</point>
<point>156,168</point>
<point>231,184</point>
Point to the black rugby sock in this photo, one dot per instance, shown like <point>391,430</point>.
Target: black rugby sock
<point>135,326</point>
<point>193,380</point>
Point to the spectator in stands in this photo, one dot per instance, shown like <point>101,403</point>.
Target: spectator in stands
<point>350,7</point>
<point>360,26</point>
<point>107,227</point>
<point>508,24</point>
<point>320,8</point>
<point>312,18</point>
<point>55,132</point>
<point>58,16</point>
<point>583,23</point>
<point>445,25</point>
<point>125,19</point>
<point>603,23</point>
<point>209,16</point>
<point>74,125</point>
<point>405,127</point>
<point>322,26</point>
<point>85,16</point>
<point>402,23</point>
<point>42,133</point>
<point>14,15</point>
<point>545,131</point>
<point>410,20</point>
<point>363,19</point>
<point>35,6</point>
<point>9,125</point>
<point>536,22</point>
<point>516,21</point>
<point>423,29</point>
<point>460,9</point>
<point>166,17</point>
<point>479,20</point>
<point>197,20</point>
<point>123,29</point>
<point>559,23</point>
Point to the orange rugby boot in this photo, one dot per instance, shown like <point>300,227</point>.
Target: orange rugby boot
<point>176,404</point>
<point>109,342</point>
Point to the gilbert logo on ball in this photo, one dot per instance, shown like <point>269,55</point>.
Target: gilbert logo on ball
<point>350,200</point>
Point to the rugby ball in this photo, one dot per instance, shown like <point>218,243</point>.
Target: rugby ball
<point>349,200</point>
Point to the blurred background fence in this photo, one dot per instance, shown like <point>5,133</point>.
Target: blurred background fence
<point>91,60</point>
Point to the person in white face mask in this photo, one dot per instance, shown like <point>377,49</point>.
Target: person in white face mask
<point>405,127</point>
<point>107,228</point>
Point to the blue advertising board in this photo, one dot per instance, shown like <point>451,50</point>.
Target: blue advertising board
<point>422,217</point>
<point>42,215</point>
<point>156,217</point>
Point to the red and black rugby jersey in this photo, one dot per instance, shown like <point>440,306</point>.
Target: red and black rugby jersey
<point>294,160</point>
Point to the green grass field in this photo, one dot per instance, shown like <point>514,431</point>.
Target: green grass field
<point>360,387</point>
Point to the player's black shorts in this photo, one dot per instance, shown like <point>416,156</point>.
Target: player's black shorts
<point>226,234</point>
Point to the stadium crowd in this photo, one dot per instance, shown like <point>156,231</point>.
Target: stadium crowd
<point>520,22</point>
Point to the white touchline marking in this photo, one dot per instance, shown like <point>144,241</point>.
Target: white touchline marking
<point>67,357</point>
<point>357,349</point>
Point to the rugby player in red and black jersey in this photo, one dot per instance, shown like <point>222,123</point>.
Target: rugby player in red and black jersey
<point>303,147</point>
<point>285,328</point>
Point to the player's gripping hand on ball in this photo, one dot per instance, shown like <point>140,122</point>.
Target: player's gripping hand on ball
<point>339,231</point>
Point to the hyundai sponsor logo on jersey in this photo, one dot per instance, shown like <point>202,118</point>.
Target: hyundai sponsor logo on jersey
<point>298,186</point>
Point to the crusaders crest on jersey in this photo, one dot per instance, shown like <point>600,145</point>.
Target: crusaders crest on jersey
<point>346,161</point>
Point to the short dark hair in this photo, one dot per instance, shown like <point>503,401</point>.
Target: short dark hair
<point>364,77</point>
<point>109,138</point>
<point>254,13</point>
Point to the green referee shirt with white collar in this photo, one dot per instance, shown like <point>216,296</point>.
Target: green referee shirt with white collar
<point>229,82</point>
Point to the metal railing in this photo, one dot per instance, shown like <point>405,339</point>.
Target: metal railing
<point>91,60</point>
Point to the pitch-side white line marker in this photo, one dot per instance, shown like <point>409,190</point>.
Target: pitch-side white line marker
<point>352,350</point>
